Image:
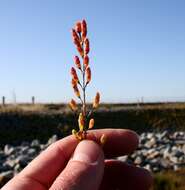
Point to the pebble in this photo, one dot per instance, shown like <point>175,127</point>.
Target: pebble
<point>8,149</point>
<point>138,160</point>
<point>7,174</point>
<point>53,139</point>
<point>32,152</point>
<point>159,151</point>
<point>150,143</point>
<point>123,158</point>
<point>35,143</point>
<point>183,149</point>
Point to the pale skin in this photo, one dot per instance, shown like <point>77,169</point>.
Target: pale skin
<point>70,165</point>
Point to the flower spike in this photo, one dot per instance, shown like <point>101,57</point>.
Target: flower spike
<point>77,62</point>
<point>91,123</point>
<point>76,91</point>
<point>103,139</point>
<point>84,29</point>
<point>74,74</point>
<point>74,83</point>
<point>96,100</point>
<point>73,105</point>
<point>88,74</point>
<point>81,41</point>
<point>78,27</point>
<point>86,61</point>
<point>86,44</point>
<point>81,122</point>
<point>76,38</point>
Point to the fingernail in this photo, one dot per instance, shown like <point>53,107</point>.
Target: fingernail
<point>88,152</point>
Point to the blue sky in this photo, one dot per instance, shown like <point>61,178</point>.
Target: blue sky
<point>137,49</point>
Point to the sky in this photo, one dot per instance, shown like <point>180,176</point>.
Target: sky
<point>137,49</point>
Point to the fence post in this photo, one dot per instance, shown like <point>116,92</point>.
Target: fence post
<point>3,100</point>
<point>33,100</point>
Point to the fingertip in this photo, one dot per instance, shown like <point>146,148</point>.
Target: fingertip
<point>89,152</point>
<point>126,142</point>
<point>133,138</point>
<point>149,180</point>
<point>145,178</point>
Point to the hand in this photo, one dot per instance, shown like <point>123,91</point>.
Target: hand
<point>69,165</point>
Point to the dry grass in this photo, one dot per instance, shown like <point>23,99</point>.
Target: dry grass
<point>169,180</point>
<point>103,107</point>
<point>23,108</point>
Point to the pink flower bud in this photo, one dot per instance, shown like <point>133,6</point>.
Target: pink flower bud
<point>86,46</point>
<point>91,123</point>
<point>88,75</point>
<point>74,74</point>
<point>86,61</point>
<point>73,105</point>
<point>96,100</point>
<point>77,62</point>
<point>84,29</point>
<point>78,27</point>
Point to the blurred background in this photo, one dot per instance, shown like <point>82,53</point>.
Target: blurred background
<point>138,64</point>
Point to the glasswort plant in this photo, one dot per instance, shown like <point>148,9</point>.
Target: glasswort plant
<point>79,35</point>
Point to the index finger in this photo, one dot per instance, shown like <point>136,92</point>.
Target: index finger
<point>49,164</point>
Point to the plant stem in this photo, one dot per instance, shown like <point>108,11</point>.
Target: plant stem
<point>84,95</point>
<point>83,86</point>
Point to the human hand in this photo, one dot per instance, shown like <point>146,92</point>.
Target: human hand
<point>69,165</point>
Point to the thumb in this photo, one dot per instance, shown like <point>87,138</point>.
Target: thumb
<point>84,171</point>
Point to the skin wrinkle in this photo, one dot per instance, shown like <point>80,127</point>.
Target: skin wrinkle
<point>37,181</point>
<point>70,175</point>
<point>61,150</point>
<point>60,146</point>
<point>63,181</point>
<point>27,180</point>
